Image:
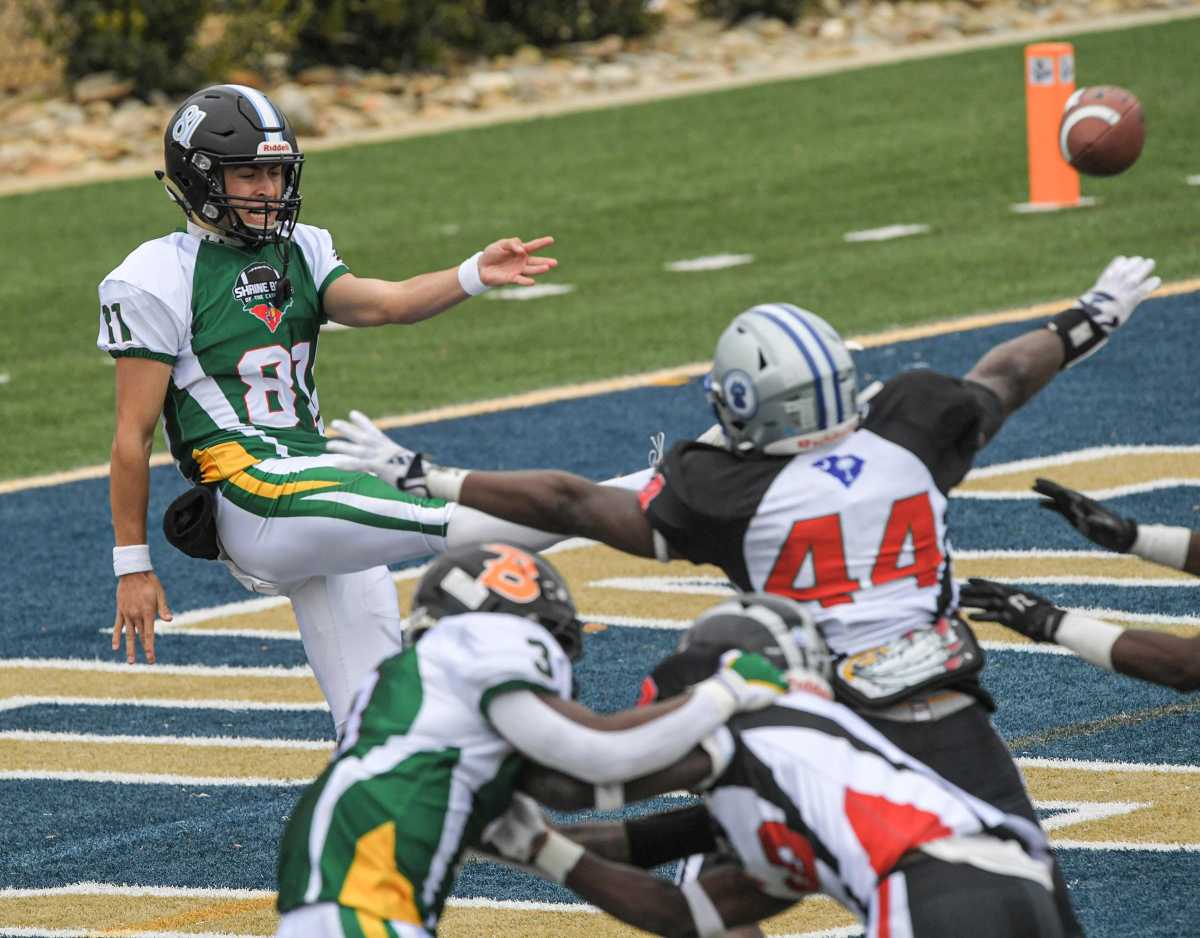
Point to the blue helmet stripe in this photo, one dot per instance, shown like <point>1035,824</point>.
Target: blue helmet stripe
<point>764,311</point>
<point>267,115</point>
<point>795,314</point>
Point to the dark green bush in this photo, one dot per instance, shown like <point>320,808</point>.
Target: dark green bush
<point>733,10</point>
<point>143,40</point>
<point>395,35</point>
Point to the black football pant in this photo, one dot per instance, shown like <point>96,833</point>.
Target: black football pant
<point>964,748</point>
<point>930,898</point>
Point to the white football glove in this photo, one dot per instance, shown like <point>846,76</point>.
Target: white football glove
<point>366,448</point>
<point>1125,282</point>
<point>514,833</point>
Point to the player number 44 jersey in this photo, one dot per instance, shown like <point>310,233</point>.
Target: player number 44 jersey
<point>242,356</point>
<point>856,531</point>
<point>419,773</point>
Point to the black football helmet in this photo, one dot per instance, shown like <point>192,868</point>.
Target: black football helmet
<point>231,125</point>
<point>775,627</point>
<point>496,577</point>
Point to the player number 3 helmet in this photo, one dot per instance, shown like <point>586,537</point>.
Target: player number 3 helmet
<point>223,126</point>
<point>782,381</point>
<point>496,578</point>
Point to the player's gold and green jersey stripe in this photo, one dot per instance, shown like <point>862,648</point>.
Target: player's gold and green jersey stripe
<point>419,774</point>
<point>242,354</point>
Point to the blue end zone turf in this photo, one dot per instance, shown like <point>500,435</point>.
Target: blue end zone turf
<point>59,593</point>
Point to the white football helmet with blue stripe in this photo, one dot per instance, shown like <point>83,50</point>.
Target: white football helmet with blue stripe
<point>783,381</point>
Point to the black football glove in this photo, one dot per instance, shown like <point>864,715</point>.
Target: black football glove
<point>1091,519</point>
<point>1022,611</point>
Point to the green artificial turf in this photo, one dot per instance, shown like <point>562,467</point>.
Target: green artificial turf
<point>780,171</point>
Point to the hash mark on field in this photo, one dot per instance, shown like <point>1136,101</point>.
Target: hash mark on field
<point>1193,180</point>
<point>711,262</point>
<point>886,233</point>
<point>536,292</point>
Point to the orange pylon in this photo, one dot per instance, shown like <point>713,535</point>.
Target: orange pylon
<point>1049,81</point>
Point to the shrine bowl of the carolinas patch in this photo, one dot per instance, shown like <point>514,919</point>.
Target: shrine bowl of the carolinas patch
<point>1102,130</point>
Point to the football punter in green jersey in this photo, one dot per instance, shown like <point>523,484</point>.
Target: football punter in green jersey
<point>215,329</point>
<point>437,737</point>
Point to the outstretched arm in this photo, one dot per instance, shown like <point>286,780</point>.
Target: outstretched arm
<point>1017,369</point>
<point>1169,546</point>
<point>1151,656</point>
<point>364,301</point>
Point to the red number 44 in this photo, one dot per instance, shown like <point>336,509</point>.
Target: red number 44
<point>910,521</point>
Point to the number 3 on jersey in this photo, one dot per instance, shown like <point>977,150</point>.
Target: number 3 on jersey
<point>819,540</point>
<point>270,386</point>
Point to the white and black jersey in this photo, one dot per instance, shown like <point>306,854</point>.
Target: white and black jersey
<point>815,800</point>
<point>856,531</point>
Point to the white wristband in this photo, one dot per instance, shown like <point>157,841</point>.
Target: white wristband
<point>445,482</point>
<point>1091,639</point>
<point>558,856</point>
<point>468,275</point>
<point>133,558</point>
<point>1163,544</point>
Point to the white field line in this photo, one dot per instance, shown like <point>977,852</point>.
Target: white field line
<point>630,382</point>
<point>1123,846</point>
<point>696,585</point>
<point>222,742</point>
<point>262,634</point>
<point>886,233</point>
<point>1074,456</point>
<point>166,703</point>
<point>1081,812</point>
<point>128,778</point>
<point>1116,491</point>
<point>192,670</point>
<point>1129,582</point>
<point>536,292</point>
<point>709,262</point>
<point>1083,765</point>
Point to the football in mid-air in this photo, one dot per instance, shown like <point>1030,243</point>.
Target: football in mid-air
<point>1102,130</point>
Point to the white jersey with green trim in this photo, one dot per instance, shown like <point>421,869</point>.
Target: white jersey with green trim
<point>420,771</point>
<point>242,367</point>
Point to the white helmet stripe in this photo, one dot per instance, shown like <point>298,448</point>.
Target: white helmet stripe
<point>825,353</point>
<point>267,115</point>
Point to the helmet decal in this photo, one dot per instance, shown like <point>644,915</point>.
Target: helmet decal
<point>185,126</point>
<point>512,574</point>
<point>774,313</point>
<point>739,393</point>
<point>267,115</point>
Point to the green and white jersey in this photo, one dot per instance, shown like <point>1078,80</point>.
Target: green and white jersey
<point>242,384</point>
<point>420,771</point>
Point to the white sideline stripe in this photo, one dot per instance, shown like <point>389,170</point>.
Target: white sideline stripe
<point>1083,765</point>
<point>89,888</point>
<point>292,636</point>
<point>168,703</point>
<point>24,932</point>
<point>643,379</point>
<point>127,778</point>
<point>232,742</point>
<point>886,233</point>
<point>696,585</point>
<point>1073,456</point>
<point>194,670</point>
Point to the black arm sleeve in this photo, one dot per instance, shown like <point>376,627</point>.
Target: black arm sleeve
<point>703,500</point>
<point>941,420</point>
<point>660,838</point>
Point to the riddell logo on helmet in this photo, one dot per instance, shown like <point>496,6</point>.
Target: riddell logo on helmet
<point>274,146</point>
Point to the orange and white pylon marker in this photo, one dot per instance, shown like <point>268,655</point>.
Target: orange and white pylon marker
<point>1049,82</point>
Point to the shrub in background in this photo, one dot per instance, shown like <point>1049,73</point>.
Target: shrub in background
<point>733,10</point>
<point>142,40</point>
